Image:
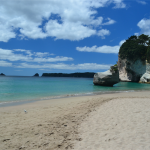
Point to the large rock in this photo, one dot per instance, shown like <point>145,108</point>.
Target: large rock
<point>146,76</point>
<point>130,70</point>
<point>107,78</point>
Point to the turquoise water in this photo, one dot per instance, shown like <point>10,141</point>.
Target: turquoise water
<point>41,88</point>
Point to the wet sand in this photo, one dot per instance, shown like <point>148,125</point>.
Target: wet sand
<point>100,122</point>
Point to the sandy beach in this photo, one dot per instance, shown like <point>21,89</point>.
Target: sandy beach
<point>119,121</point>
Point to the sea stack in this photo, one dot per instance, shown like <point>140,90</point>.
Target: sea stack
<point>133,57</point>
<point>107,78</point>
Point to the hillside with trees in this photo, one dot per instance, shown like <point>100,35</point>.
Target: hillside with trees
<point>77,74</point>
<point>136,47</point>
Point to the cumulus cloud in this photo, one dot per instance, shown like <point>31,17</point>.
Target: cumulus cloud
<point>103,32</point>
<point>84,66</point>
<point>28,56</point>
<point>101,49</point>
<point>142,2</point>
<point>110,21</point>
<point>68,19</point>
<point>144,25</point>
<point>121,42</point>
<point>119,4</point>
<point>5,63</point>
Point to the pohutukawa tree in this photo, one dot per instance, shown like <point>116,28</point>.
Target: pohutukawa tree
<point>136,47</point>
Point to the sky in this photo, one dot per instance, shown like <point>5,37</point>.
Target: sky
<point>66,36</point>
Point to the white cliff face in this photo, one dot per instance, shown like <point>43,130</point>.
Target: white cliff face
<point>146,76</point>
<point>131,71</point>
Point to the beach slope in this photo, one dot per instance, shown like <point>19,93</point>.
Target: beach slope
<point>110,121</point>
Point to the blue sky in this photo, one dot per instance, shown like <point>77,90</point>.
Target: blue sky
<point>38,36</point>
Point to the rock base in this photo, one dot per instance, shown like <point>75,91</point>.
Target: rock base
<point>106,78</point>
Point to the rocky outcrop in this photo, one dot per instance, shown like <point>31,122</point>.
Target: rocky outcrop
<point>130,70</point>
<point>2,74</point>
<point>146,76</point>
<point>36,75</point>
<point>107,78</point>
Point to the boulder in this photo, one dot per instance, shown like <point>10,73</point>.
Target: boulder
<point>107,78</point>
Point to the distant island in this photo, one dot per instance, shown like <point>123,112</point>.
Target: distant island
<point>77,74</point>
<point>2,74</point>
<point>36,75</point>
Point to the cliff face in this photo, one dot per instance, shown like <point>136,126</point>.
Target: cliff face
<point>132,64</point>
<point>131,71</point>
<point>146,76</point>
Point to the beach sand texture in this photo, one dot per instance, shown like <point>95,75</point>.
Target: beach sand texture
<point>118,121</point>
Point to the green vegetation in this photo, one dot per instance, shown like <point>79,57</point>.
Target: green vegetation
<point>77,74</point>
<point>136,47</point>
<point>114,68</point>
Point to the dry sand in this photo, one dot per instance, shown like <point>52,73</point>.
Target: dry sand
<point>118,121</point>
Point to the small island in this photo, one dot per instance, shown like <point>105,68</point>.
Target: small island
<point>2,74</point>
<point>36,75</point>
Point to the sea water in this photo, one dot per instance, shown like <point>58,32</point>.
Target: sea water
<point>19,89</point>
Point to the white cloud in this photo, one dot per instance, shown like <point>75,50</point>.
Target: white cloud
<point>110,21</point>
<point>121,42</point>
<point>57,58</point>
<point>137,34</point>
<point>26,51</point>
<point>28,56</point>
<point>5,63</point>
<point>85,66</point>
<point>101,49</point>
<point>144,25</point>
<point>40,54</point>
<point>74,19</point>
<point>142,2</point>
<point>119,4</point>
<point>103,32</point>
<point>11,56</point>
<point>76,30</point>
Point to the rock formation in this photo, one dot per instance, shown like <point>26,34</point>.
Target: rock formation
<point>107,78</point>
<point>36,75</point>
<point>132,61</point>
<point>130,70</point>
<point>146,76</point>
<point>2,74</point>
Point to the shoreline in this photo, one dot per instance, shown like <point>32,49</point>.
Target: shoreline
<point>16,103</point>
<point>63,123</point>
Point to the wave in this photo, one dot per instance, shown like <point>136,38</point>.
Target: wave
<point>18,102</point>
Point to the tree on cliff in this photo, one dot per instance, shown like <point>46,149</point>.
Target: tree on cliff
<point>143,39</point>
<point>135,48</point>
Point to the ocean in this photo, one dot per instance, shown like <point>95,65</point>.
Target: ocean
<point>27,89</point>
